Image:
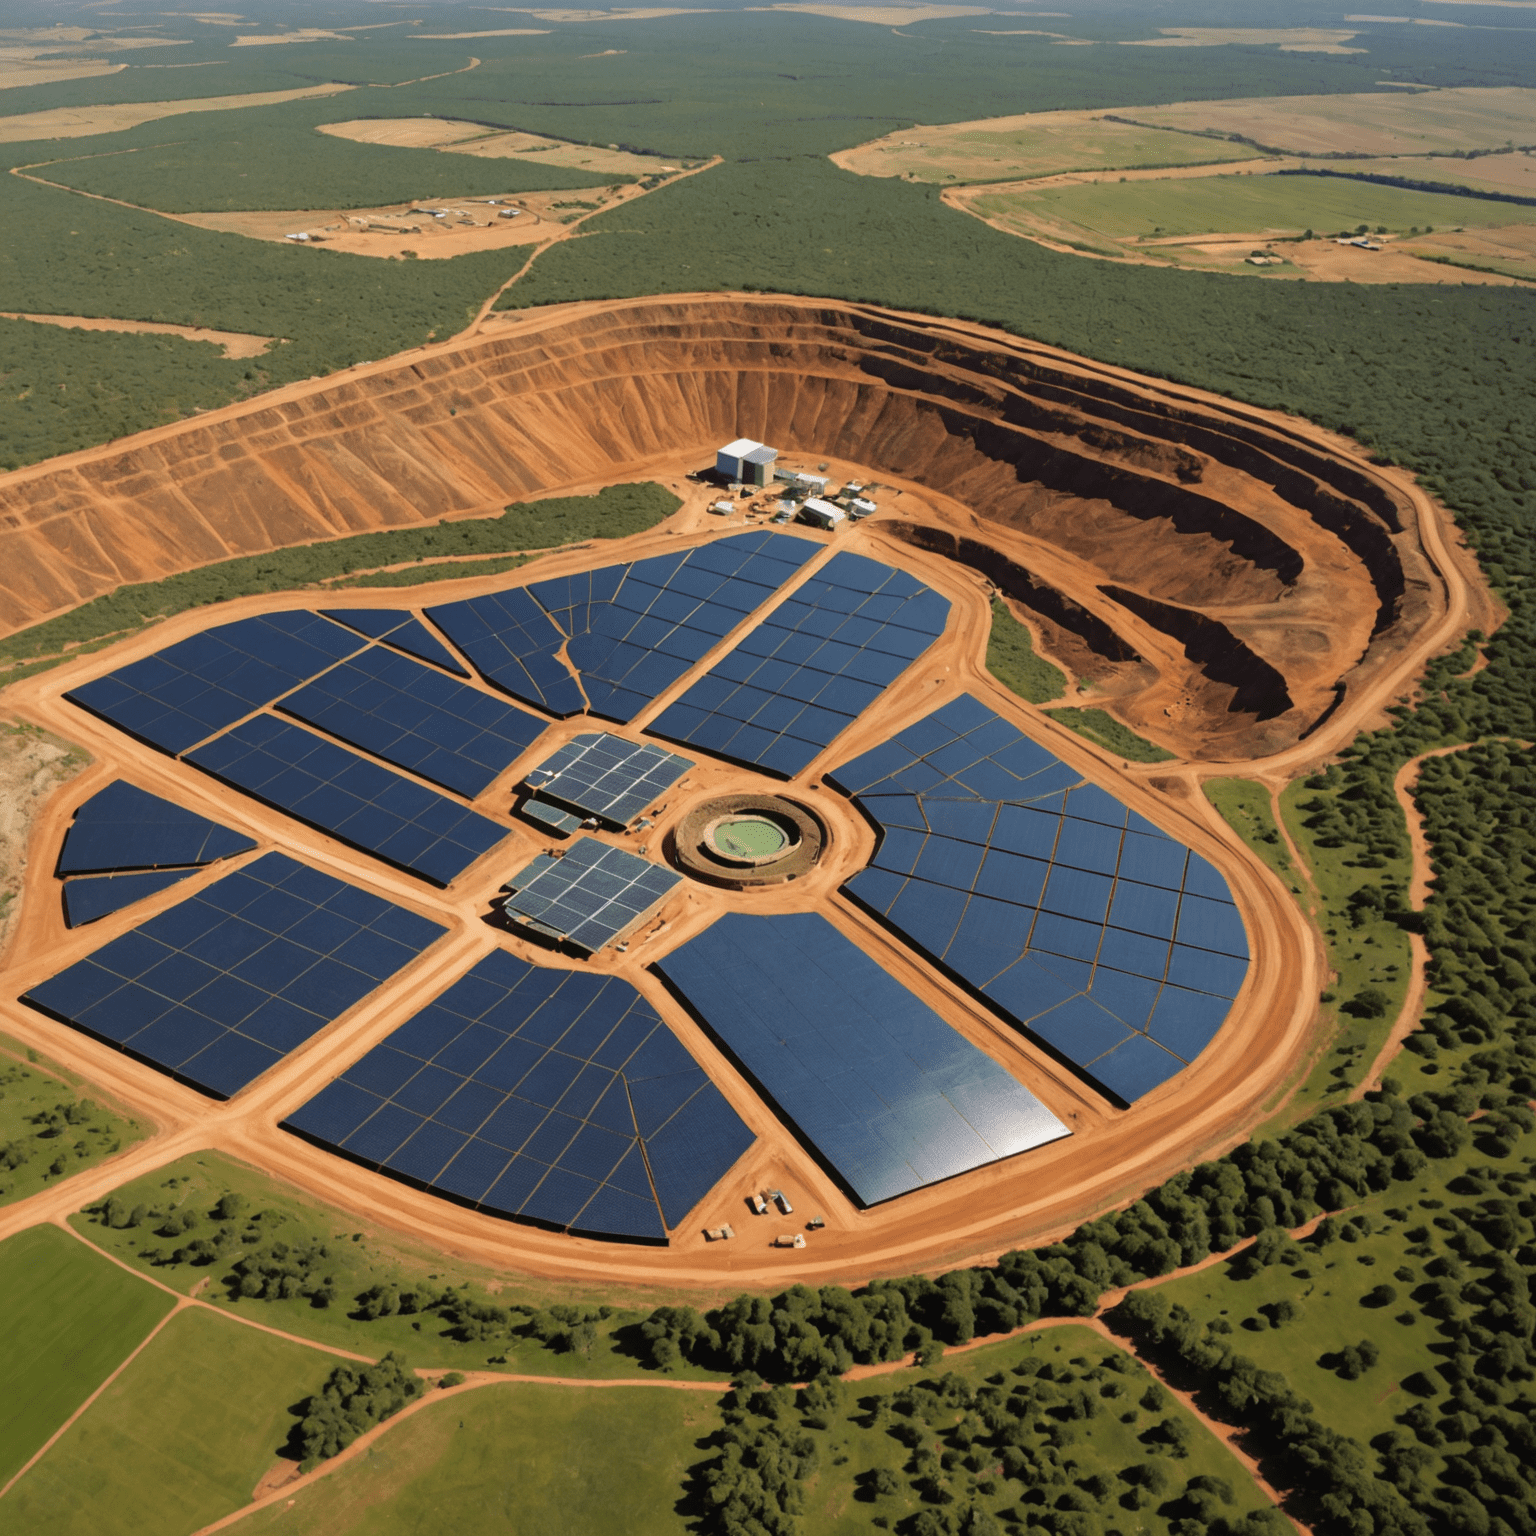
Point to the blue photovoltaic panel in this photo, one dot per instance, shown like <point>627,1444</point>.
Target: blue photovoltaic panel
<point>550,817</point>
<point>349,797</point>
<point>185,693</point>
<point>1071,914</point>
<point>515,645</point>
<point>635,629</point>
<point>605,776</point>
<point>890,1096</point>
<point>90,897</point>
<point>122,827</point>
<point>810,668</point>
<point>230,980</point>
<point>418,719</point>
<point>589,897</point>
<point>556,1096</point>
<point>404,631</point>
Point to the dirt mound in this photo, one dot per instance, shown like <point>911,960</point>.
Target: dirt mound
<point>1254,570</point>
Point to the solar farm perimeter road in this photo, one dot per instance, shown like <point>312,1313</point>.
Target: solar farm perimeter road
<point>1031,1198</point>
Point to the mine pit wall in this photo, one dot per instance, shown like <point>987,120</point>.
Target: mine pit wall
<point>1029,442</point>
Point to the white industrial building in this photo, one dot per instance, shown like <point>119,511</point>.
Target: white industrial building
<point>746,460</point>
<point>821,514</point>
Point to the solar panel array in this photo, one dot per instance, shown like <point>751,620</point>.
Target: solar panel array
<point>1113,943</point>
<point>554,1096</point>
<point>605,776</point>
<point>183,694</point>
<point>225,983</point>
<point>888,1095</point>
<point>349,797</point>
<point>414,717</point>
<point>401,630</point>
<point>589,897</point>
<point>550,818</point>
<point>810,668</point>
<point>125,844</point>
<point>635,629</point>
<point>515,645</point>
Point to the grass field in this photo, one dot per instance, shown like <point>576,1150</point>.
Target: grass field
<point>1245,807</point>
<point>1135,211</point>
<point>1035,144</point>
<point>358,1256</point>
<point>1011,659</point>
<point>1105,731</point>
<point>1331,1281</point>
<point>540,1461</point>
<point>68,1319</point>
<point>48,1129</point>
<point>178,1440</point>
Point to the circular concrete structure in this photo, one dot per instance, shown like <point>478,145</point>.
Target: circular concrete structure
<point>742,841</point>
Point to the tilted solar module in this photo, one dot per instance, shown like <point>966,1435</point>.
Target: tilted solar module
<point>416,718</point>
<point>555,1096</point>
<point>589,897</point>
<point>514,644</point>
<point>88,898</point>
<point>122,827</point>
<point>889,1096</point>
<point>804,674</point>
<point>185,693</point>
<point>1073,916</point>
<point>404,631</point>
<point>228,981</point>
<point>605,776</point>
<point>635,629</point>
<point>351,798</point>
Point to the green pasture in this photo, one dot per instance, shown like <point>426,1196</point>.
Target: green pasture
<point>357,1256</point>
<point>68,1319</point>
<point>1242,204</point>
<point>1245,807</point>
<point>1332,1285</point>
<point>177,1441</point>
<point>540,1461</point>
<point>1013,661</point>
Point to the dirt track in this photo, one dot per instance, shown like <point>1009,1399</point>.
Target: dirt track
<point>1111,1156</point>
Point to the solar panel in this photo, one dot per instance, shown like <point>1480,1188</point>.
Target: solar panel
<point>349,797</point>
<point>607,777</point>
<point>401,630</point>
<point>553,1096</point>
<point>513,644</point>
<point>122,827</point>
<point>1041,892</point>
<point>89,898</point>
<point>550,817</point>
<point>810,668</point>
<point>185,693</point>
<point>635,629</point>
<point>589,897</point>
<point>888,1096</point>
<point>222,985</point>
<point>416,718</point>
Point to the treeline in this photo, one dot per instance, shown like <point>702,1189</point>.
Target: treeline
<point>612,513</point>
<point>1444,188</point>
<point>353,1400</point>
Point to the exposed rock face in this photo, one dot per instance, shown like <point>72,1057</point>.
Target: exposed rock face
<point>1186,553</point>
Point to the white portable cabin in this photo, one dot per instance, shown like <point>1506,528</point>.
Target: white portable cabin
<point>821,514</point>
<point>815,484</point>
<point>862,506</point>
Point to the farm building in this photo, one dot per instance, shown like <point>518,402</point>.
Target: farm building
<point>746,460</point>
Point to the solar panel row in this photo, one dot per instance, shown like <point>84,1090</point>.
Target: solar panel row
<point>221,986</point>
<point>635,629</point>
<point>887,1094</point>
<point>514,644</point>
<point>122,827</point>
<point>810,668</point>
<point>553,1096</point>
<point>605,776</point>
<point>183,694</point>
<point>550,817</point>
<point>397,709</point>
<point>589,897</point>
<point>350,798</point>
<point>401,630</point>
<point>88,898</point>
<point>1113,943</point>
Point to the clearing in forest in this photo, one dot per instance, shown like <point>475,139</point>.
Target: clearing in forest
<point>461,138</point>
